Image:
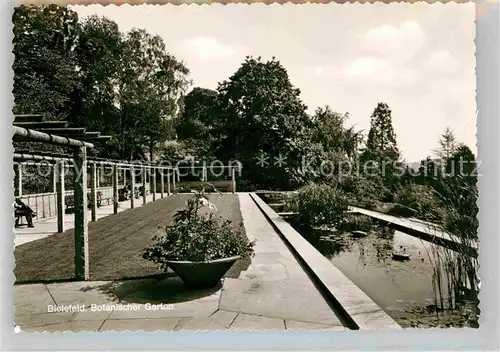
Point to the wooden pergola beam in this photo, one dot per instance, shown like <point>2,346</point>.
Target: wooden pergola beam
<point>44,124</point>
<point>64,131</point>
<point>37,136</point>
<point>28,118</point>
<point>93,138</point>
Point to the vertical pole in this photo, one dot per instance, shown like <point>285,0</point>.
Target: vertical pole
<point>19,179</point>
<point>98,178</point>
<point>132,182</point>
<point>162,183</point>
<point>115,189</point>
<point>173,180</point>
<point>143,185</point>
<point>54,178</point>
<point>93,191</point>
<point>153,172</point>
<point>124,177</point>
<point>61,208</point>
<point>233,180</point>
<point>168,182</point>
<point>81,215</point>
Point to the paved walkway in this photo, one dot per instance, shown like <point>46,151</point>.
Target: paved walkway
<point>273,293</point>
<point>46,227</point>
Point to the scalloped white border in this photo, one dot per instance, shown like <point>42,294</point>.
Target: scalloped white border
<point>485,338</point>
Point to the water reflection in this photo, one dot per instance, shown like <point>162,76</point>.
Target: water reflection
<point>394,285</point>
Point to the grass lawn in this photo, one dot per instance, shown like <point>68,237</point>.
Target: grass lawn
<point>115,243</point>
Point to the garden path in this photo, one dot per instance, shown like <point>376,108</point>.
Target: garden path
<point>272,293</point>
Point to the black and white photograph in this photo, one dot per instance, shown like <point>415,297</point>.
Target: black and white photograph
<point>245,167</point>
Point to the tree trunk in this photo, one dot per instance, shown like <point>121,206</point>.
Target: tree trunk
<point>151,147</point>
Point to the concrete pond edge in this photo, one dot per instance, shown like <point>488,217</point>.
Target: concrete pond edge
<point>358,310</point>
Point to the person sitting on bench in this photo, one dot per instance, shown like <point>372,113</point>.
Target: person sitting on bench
<point>23,210</point>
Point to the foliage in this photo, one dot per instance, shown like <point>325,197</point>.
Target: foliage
<point>418,201</point>
<point>330,132</point>
<point>381,137</point>
<point>357,222</point>
<point>94,76</point>
<point>198,238</point>
<point>198,119</point>
<point>44,48</point>
<point>447,144</point>
<point>172,152</point>
<point>319,204</point>
<point>364,191</point>
<point>381,149</point>
<point>260,101</point>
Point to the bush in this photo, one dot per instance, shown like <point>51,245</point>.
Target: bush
<point>357,222</point>
<point>365,192</point>
<point>319,204</point>
<point>417,201</point>
<point>198,238</point>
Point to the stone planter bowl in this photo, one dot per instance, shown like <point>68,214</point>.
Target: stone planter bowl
<point>199,275</point>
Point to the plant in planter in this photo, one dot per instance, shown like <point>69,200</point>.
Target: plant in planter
<point>199,248</point>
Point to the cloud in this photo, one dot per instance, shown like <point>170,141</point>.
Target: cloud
<point>442,61</point>
<point>211,49</point>
<point>401,41</point>
<point>375,71</point>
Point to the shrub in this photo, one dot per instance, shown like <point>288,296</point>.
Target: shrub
<point>319,204</point>
<point>357,222</point>
<point>193,237</point>
<point>365,191</point>
<point>418,201</point>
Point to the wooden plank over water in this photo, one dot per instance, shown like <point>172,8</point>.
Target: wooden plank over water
<point>425,230</point>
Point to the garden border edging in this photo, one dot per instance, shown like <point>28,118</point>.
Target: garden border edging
<point>358,309</point>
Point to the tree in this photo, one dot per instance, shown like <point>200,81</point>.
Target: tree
<point>381,143</point>
<point>44,66</point>
<point>381,147</point>
<point>462,163</point>
<point>329,130</point>
<point>447,144</point>
<point>262,116</point>
<point>99,55</point>
<point>152,85</point>
<point>199,118</point>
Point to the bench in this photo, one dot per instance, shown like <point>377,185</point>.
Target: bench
<point>21,213</point>
<point>69,200</point>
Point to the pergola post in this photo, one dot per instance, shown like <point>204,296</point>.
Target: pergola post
<point>132,179</point>
<point>115,189</point>
<point>143,185</point>
<point>233,180</point>
<point>61,208</point>
<point>54,178</point>
<point>19,179</point>
<point>124,177</point>
<point>98,178</point>
<point>168,183</point>
<point>81,215</point>
<point>93,191</point>
<point>153,190</point>
<point>162,183</point>
<point>173,180</point>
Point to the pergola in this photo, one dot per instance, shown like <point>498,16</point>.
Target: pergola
<point>33,128</point>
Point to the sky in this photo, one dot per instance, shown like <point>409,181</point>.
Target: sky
<point>417,58</point>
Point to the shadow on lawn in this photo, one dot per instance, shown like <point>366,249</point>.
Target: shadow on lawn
<point>152,290</point>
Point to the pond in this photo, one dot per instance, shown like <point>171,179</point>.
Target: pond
<point>404,289</point>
